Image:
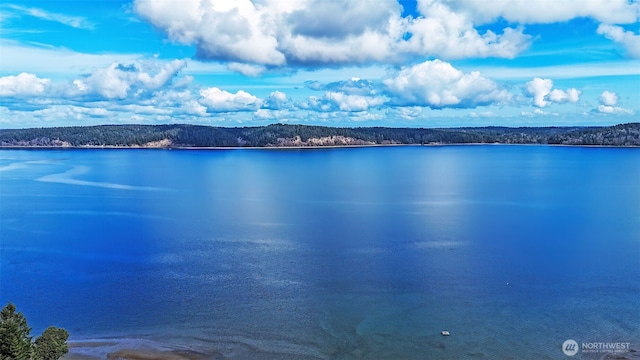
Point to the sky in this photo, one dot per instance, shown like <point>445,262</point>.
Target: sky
<point>425,63</point>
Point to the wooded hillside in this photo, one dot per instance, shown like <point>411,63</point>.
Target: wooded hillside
<point>304,135</point>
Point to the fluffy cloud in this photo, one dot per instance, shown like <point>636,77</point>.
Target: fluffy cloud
<point>274,33</point>
<point>346,102</point>
<point>276,100</point>
<point>572,95</point>
<point>608,98</point>
<point>340,19</point>
<point>442,31</point>
<point>118,81</point>
<point>180,102</point>
<point>253,36</point>
<point>608,101</point>
<point>406,112</point>
<point>353,86</point>
<point>545,11</point>
<point>217,100</point>
<point>541,92</point>
<point>539,89</point>
<point>339,33</point>
<point>71,112</point>
<point>606,12</point>
<point>604,109</point>
<point>437,84</point>
<point>275,115</point>
<point>628,39</point>
<point>24,84</point>
<point>333,101</point>
<point>226,30</point>
<point>353,95</point>
<point>247,69</point>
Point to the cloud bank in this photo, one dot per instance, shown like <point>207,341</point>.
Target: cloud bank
<point>288,47</point>
<point>252,36</point>
<point>312,33</point>
<point>157,91</point>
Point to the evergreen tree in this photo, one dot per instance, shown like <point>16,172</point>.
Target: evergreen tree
<point>15,342</point>
<point>52,344</point>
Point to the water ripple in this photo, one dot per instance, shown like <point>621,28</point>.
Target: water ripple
<point>67,177</point>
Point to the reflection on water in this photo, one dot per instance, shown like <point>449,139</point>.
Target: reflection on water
<point>341,253</point>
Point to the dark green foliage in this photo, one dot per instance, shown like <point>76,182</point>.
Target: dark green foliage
<point>15,342</point>
<point>201,136</point>
<point>618,135</point>
<point>52,344</point>
<point>299,135</point>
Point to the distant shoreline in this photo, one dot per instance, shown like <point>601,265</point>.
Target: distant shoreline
<point>281,136</point>
<point>132,349</point>
<point>114,147</point>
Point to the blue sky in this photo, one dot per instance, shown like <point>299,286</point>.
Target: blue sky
<point>427,63</point>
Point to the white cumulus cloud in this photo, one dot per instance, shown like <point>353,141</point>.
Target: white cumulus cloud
<point>182,101</point>
<point>217,100</point>
<point>247,69</point>
<point>614,110</point>
<point>545,11</point>
<point>253,36</point>
<point>608,98</point>
<point>335,101</point>
<point>539,89</point>
<point>450,34</point>
<point>276,100</point>
<point>119,81</point>
<point>437,84</point>
<point>71,112</point>
<point>543,94</point>
<point>628,39</point>
<point>572,95</point>
<point>608,101</point>
<point>23,84</point>
<point>234,30</point>
<point>346,102</point>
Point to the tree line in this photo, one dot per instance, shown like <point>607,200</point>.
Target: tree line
<point>16,342</point>
<point>182,135</point>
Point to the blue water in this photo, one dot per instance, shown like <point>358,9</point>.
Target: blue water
<point>359,253</point>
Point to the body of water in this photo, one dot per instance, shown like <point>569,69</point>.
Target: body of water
<point>347,253</point>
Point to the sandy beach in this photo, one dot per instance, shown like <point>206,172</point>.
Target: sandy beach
<point>133,349</point>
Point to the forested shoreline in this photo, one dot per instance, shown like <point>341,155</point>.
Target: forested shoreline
<point>281,135</point>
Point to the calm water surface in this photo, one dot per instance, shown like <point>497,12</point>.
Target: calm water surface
<point>364,253</point>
